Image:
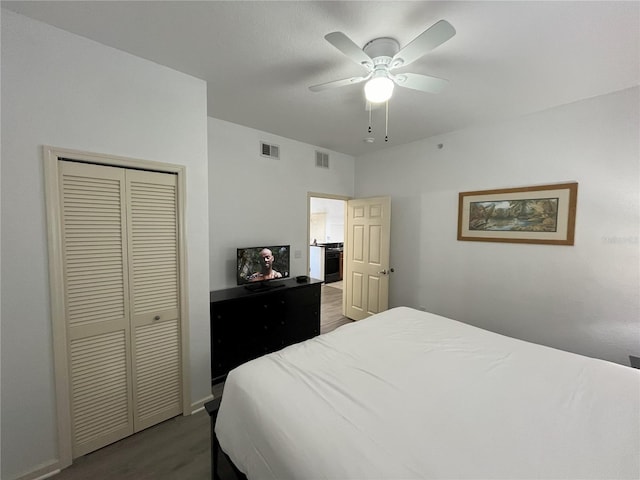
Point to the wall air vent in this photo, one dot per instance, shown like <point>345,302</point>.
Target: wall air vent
<point>322,160</point>
<point>269,150</point>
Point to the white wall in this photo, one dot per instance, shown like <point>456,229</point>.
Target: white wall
<point>582,298</point>
<point>63,90</point>
<point>256,201</point>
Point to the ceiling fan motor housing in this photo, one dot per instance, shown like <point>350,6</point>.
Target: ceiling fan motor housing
<point>382,50</point>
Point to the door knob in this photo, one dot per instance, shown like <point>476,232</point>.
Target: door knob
<point>157,317</point>
<point>386,272</point>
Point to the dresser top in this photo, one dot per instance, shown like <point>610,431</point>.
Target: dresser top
<point>272,286</point>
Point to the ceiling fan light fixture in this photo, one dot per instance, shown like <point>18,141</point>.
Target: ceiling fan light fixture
<point>379,89</point>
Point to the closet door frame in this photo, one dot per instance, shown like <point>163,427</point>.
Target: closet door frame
<point>52,156</point>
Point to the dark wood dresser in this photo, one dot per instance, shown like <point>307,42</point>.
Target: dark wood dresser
<point>246,325</point>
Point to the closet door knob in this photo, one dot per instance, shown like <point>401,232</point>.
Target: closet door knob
<point>157,317</point>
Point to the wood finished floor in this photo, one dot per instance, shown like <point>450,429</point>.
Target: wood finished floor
<point>178,449</point>
<point>331,308</point>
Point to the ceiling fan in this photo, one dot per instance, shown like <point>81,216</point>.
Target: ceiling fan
<point>382,55</point>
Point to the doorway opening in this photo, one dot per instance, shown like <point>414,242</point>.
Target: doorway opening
<point>326,237</point>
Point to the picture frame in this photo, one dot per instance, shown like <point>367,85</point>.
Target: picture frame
<point>543,214</point>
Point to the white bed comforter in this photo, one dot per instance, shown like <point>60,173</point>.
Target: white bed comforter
<point>406,395</point>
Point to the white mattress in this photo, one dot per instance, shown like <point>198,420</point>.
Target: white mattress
<point>406,394</point>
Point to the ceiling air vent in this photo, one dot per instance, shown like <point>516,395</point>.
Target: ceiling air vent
<point>269,150</point>
<point>322,160</point>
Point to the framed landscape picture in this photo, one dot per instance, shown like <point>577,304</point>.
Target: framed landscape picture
<point>538,214</point>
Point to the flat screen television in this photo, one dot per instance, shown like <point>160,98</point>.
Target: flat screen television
<point>257,267</point>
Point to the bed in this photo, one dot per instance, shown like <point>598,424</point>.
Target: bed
<point>406,394</point>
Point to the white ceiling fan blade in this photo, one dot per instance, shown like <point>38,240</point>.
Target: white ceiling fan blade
<point>424,83</point>
<point>432,37</point>
<point>338,83</point>
<point>349,48</point>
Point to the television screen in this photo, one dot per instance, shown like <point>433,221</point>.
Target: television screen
<point>260,264</point>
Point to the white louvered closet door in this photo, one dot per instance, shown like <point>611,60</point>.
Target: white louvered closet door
<point>97,306</point>
<point>153,247</point>
<point>120,247</point>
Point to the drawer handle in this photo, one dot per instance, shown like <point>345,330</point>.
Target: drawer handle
<point>157,317</point>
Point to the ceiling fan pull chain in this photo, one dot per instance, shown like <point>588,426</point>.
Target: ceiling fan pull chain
<point>369,107</point>
<point>386,123</point>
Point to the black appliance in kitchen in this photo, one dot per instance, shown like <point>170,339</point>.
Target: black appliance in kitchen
<point>332,262</point>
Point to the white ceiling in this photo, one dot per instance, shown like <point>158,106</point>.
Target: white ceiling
<point>259,58</point>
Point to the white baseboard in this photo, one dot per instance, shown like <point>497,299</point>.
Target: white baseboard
<point>48,475</point>
<point>199,404</point>
<point>42,472</point>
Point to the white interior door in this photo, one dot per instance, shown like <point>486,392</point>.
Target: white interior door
<point>122,297</point>
<point>155,296</point>
<point>94,243</point>
<point>367,257</point>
